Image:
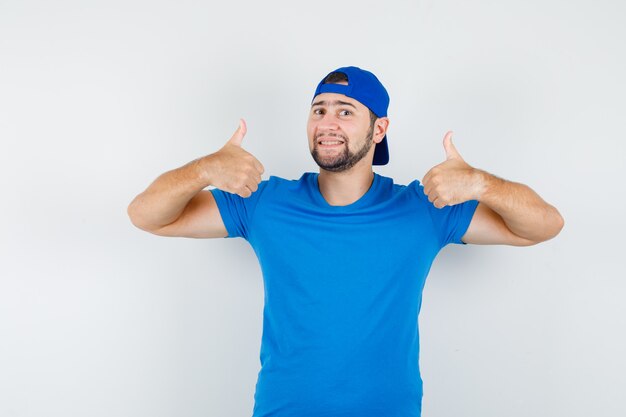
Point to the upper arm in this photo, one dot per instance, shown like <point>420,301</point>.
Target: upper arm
<point>200,219</point>
<point>488,228</point>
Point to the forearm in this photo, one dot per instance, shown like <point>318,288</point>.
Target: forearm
<point>165,199</point>
<point>524,212</point>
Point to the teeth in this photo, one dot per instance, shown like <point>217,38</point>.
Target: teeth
<point>330,142</point>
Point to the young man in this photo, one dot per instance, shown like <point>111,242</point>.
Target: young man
<point>344,252</point>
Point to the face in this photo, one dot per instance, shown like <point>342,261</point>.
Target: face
<point>339,131</point>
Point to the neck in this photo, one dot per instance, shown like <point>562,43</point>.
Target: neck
<point>343,188</point>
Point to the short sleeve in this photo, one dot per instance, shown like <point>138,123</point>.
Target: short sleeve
<point>236,211</point>
<point>451,222</point>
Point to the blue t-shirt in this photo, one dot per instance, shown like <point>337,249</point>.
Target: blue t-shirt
<point>343,289</point>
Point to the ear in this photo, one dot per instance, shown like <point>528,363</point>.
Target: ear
<point>380,128</point>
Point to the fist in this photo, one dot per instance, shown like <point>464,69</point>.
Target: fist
<point>234,170</point>
<point>452,181</point>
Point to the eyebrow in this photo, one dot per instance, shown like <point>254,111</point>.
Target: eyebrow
<point>333,103</point>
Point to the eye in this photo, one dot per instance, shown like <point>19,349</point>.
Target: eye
<point>345,112</point>
<point>318,111</point>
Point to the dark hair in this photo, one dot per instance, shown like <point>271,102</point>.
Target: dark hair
<point>336,78</point>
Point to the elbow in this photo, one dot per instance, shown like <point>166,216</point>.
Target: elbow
<point>553,226</point>
<point>131,210</point>
<point>556,224</point>
<point>134,215</point>
<point>560,223</point>
<point>550,229</point>
<point>138,217</point>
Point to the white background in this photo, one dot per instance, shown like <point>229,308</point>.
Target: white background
<point>97,98</point>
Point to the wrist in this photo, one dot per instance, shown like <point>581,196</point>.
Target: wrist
<point>482,182</point>
<point>485,184</point>
<point>203,169</point>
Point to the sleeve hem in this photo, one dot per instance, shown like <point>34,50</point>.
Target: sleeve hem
<point>470,209</point>
<point>223,208</point>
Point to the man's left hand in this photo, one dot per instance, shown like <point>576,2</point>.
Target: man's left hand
<point>453,181</point>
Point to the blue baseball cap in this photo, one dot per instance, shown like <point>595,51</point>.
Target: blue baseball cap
<point>364,87</point>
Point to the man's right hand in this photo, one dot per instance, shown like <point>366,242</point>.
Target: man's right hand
<point>232,169</point>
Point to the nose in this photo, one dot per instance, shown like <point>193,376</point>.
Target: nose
<point>328,121</point>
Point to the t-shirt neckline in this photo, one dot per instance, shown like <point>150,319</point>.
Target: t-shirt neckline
<point>364,199</point>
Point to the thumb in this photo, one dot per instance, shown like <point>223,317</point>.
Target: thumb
<point>451,151</point>
<point>237,137</point>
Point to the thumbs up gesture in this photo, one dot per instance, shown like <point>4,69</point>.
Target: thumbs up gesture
<point>453,181</point>
<point>233,169</point>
